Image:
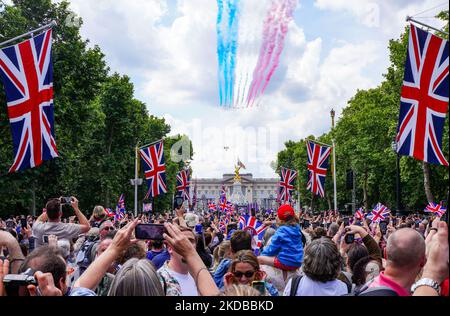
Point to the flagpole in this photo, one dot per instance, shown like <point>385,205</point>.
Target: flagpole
<point>315,141</point>
<point>333,113</point>
<point>136,180</point>
<point>299,207</point>
<point>408,18</point>
<point>50,25</point>
<point>158,141</point>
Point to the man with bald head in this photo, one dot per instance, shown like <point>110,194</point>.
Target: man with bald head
<point>405,257</point>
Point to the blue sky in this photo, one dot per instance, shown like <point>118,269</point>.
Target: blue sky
<point>168,48</point>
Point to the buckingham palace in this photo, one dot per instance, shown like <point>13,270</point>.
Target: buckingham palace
<point>259,190</point>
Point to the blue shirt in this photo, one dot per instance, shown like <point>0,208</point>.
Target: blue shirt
<point>286,245</point>
<point>160,259</point>
<point>221,270</point>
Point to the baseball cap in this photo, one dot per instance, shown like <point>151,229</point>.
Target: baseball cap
<point>285,211</point>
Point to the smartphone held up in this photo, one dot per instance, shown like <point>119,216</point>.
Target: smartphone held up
<point>150,231</point>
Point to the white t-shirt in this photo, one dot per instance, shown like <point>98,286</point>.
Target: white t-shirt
<point>308,287</point>
<point>60,230</point>
<point>187,283</point>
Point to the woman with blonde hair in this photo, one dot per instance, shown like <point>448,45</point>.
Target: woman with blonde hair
<point>137,277</point>
<point>220,252</point>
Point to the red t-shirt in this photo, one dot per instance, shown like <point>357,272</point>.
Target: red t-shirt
<point>444,288</point>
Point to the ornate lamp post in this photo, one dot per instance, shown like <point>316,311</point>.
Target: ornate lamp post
<point>333,114</point>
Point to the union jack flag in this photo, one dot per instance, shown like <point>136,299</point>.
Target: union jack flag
<point>27,74</point>
<point>110,212</point>
<point>120,209</point>
<point>155,168</point>
<point>183,184</point>
<point>359,214</point>
<point>318,157</point>
<point>379,213</point>
<point>437,209</point>
<point>147,207</point>
<point>286,184</point>
<point>253,225</point>
<point>212,207</point>
<point>223,204</point>
<point>424,99</point>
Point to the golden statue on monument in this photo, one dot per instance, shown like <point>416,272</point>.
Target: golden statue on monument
<point>240,165</point>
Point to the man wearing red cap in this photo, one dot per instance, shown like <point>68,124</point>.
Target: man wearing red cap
<point>285,250</point>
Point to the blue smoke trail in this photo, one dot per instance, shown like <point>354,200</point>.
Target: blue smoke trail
<point>233,27</point>
<point>220,50</point>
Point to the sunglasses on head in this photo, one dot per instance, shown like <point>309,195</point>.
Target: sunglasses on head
<point>248,274</point>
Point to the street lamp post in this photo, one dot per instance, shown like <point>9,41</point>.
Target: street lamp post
<point>333,114</point>
<point>398,183</point>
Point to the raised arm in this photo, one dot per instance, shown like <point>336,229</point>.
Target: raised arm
<point>95,272</point>
<point>16,256</point>
<point>84,223</point>
<point>203,279</point>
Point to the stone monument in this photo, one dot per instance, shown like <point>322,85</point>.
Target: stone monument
<point>237,197</point>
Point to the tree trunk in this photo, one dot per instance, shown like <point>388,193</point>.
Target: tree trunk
<point>426,181</point>
<point>329,202</point>
<point>312,201</point>
<point>107,192</point>
<point>365,199</point>
<point>33,202</point>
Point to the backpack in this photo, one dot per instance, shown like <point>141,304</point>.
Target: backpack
<point>374,291</point>
<point>295,281</point>
<point>84,258</point>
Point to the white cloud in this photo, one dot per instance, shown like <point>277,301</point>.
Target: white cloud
<point>174,68</point>
<point>386,16</point>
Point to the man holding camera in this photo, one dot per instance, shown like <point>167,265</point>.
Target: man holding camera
<point>49,223</point>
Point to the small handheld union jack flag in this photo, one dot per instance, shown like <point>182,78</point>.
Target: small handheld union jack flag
<point>286,185</point>
<point>110,212</point>
<point>318,157</point>
<point>155,168</point>
<point>212,207</point>
<point>359,214</point>
<point>120,209</point>
<point>437,209</point>
<point>424,99</point>
<point>183,184</point>
<point>27,74</point>
<point>379,213</point>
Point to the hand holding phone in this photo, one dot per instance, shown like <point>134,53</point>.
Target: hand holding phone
<point>349,238</point>
<point>66,200</point>
<point>260,286</point>
<point>150,231</point>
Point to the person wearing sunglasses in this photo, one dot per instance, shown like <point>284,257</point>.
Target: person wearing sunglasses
<point>244,270</point>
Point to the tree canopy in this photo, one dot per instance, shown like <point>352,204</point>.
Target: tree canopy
<point>363,135</point>
<point>98,123</point>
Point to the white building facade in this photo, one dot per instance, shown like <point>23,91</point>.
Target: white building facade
<point>255,190</point>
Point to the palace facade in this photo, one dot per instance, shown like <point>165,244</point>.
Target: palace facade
<point>255,190</point>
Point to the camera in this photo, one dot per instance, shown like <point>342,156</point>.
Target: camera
<point>178,202</point>
<point>66,200</point>
<point>349,238</point>
<point>12,282</point>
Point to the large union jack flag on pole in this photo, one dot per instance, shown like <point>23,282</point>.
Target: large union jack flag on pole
<point>379,213</point>
<point>424,99</point>
<point>437,209</point>
<point>27,74</point>
<point>318,157</point>
<point>183,184</point>
<point>286,186</point>
<point>155,168</point>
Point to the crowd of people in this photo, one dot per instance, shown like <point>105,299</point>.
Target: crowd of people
<point>300,254</point>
